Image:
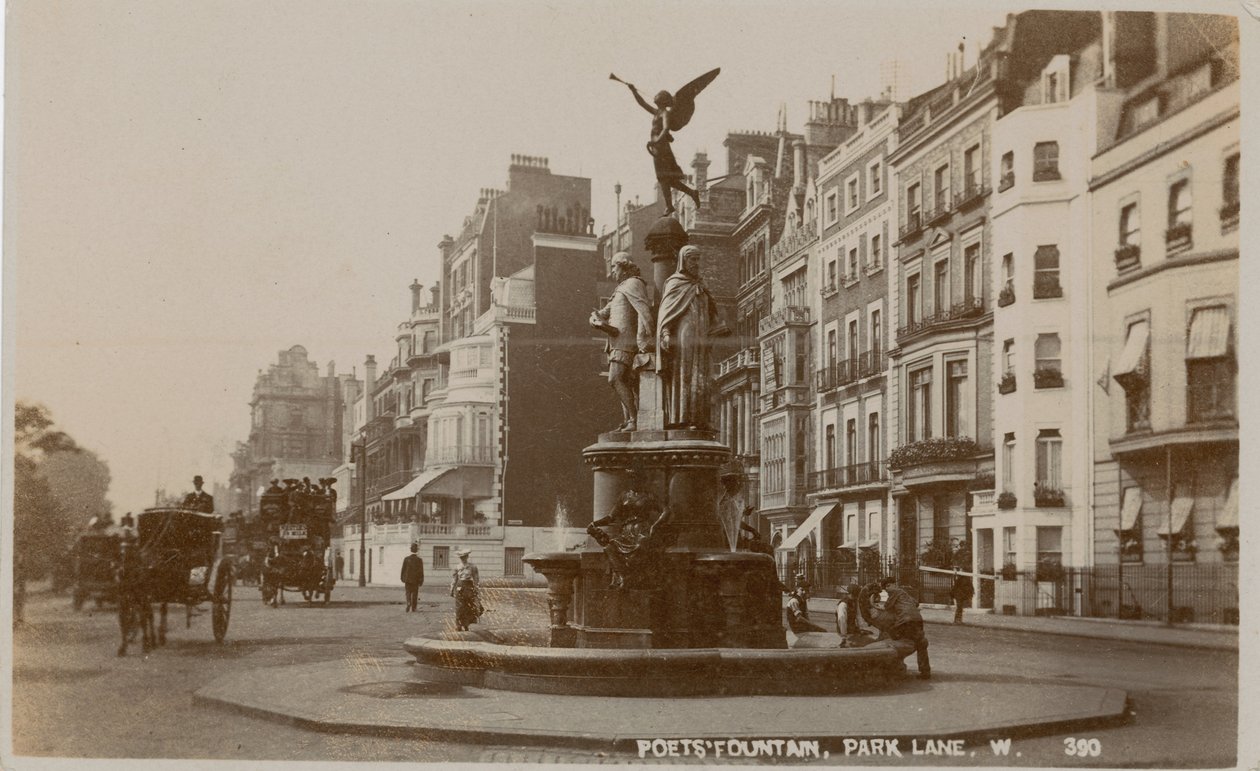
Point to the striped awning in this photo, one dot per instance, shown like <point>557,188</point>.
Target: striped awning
<point>1209,333</point>
<point>811,523</point>
<point>1131,358</point>
<point>1228,517</point>
<point>1130,508</point>
<point>1182,507</point>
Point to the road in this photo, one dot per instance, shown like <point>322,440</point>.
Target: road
<point>74,698</point>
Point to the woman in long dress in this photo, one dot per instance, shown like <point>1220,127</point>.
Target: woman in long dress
<point>466,589</point>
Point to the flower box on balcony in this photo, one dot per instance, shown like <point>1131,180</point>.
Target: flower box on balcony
<point>1047,378</point>
<point>1178,236</point>
<point>1128,256</point>
<point>1048,497</point>
<point>1007,501</point>
<point>1046,175</point>
<point>1046,287</point>
<point>1009,572</point>
<point>1007,182</point>
<point>1007,384</point>
<point>1005,297</point>
<point>936,449</point>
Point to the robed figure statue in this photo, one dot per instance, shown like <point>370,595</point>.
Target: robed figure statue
<point>685,325</point>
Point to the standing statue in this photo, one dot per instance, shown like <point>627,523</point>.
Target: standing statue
<point>684,326</point>
<point>627,320</point>
<point>638,517</point>
<point>732,506</point>
<point>671,113</point>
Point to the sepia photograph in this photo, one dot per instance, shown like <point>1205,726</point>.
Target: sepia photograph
<point>634,383</point>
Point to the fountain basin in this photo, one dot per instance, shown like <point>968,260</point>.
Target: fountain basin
<point>518,660</point>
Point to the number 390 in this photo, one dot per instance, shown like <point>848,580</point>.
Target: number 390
<point>1082,748</point>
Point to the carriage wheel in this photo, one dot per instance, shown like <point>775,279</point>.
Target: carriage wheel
<point>222,610</point>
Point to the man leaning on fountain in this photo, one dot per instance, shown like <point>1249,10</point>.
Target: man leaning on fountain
<point>627,320</point>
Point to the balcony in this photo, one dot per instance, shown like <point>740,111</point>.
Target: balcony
<point>791,314</point>
<point>748,358</point>
<point>969,196</point>
<point>847,371</point>
<point>391,481</point>
<point>1007,384</point>
<point>1128,257</point>
<point>913,226</point>
<point>939,213</point>
<point>1046,497</point>
<point>829,290</point>
<point>937,460</point>
<point>1006,297</point>
<point>970,308</point>
<point>1048,377</point>
<point>461,455</point>
<point>1179,237</point>
<point>1006,182</point>
<point>856,475</point>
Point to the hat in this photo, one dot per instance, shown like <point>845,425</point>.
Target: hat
<point>197,479</point>
<point>887,581</point>
<point>463,552</point>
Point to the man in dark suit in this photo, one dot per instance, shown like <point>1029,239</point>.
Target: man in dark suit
<point>200,500</point>
<point>413,576</point>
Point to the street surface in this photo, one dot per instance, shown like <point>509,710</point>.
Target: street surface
<point>73,697</point>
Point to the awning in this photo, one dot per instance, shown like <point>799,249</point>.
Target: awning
<point>1181,509</point>
<point>1228,518</point>
<point>848,545</point>
<point>1131,358</point>
<point>462,482</point>
<point>413,488</point>
<point>869,543</point>
<point>805,528</point>
<point>1130,509</point>
<point>1209,333</point>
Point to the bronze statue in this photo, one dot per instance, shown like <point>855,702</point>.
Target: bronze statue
<point>732,507</point>
<point>627,320</point>
<point>671,113</point>
<point>684,325</point>
<point>638,517</point>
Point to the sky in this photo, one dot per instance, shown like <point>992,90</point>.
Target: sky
<point>191,187</point>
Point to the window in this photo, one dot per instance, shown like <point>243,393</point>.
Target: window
<point>850,442</point>
<point>1046,278</point>
<point>1008,357</point>
<point>941,185</point>
<point>1132,372</point>
<point>441,557</point>
<point>912,299</point>
<point>1050,545</point>
<point>876,255</point>
<point>850,529</point>
<point>919,407</point>
<point>877,337</point>
<point>1008,546</point>
<point>1045,161</point>
<point>1130,224</point>
<point>830,447</point>
<point>853,265</point>
<point>833,210</point>
<point>853,340</point>
<point>872,441</point>
<point>831,274</point>
<point>875,178</point>
<point>956,399</point>
<point>1129,530</point>
<point>831,346</point>
<point>1048,372</point>
<point>1210,366</point>
<point>1008,273</point>
<point>351,553</point>
<point>914,203</point>
<point>1008,463</point>
<point>1229,180</point>
<point>1007,172</point>
<point>971,170</point>
<point>851,194</point>
<point>1050,459</point>
<point>972,285</point>
<point>940,286</point>
<point>380,556</point>
<point>1179,220</point>
<point>801,351</point>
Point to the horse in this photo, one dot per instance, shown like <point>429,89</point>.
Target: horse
<point>136,578</point>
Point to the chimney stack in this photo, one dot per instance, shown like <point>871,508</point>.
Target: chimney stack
<point>798,164</point>
<point>416,288</point>
<point>369,385</point>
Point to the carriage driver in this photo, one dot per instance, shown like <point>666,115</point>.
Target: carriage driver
<point>200,500</point>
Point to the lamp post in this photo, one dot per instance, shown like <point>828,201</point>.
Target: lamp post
<point>362,455</point>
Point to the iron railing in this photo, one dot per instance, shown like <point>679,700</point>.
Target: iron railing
<point>849,476</point>
<point>969,308</point>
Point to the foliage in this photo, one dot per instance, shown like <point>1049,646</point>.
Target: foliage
<point>1045,496</point>
<point>937,448</point>
<point>1009,571</point>
<point>1007,501</point>
<point>981,481</point>
<point>947,553</point>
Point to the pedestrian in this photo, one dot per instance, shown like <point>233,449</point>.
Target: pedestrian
<point>413,576</point>
<point>341,567</point>
<point>961,592</point>
<point>848,623</point>
<point>907,622</point>
<point>798,613</point>
<point>466,589</point>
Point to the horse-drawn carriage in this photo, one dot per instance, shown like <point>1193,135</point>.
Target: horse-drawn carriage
<point>177,558</point>
<point>92,563</point>
<point>298,521</point>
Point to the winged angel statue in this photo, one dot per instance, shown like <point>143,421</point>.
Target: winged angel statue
<point>671,113</point>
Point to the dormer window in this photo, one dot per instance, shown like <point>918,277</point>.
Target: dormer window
<point>1055,80</point>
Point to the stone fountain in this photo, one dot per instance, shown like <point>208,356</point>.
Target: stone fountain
<point>658,602</point>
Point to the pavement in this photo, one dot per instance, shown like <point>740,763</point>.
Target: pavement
<point>1203,636</point>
